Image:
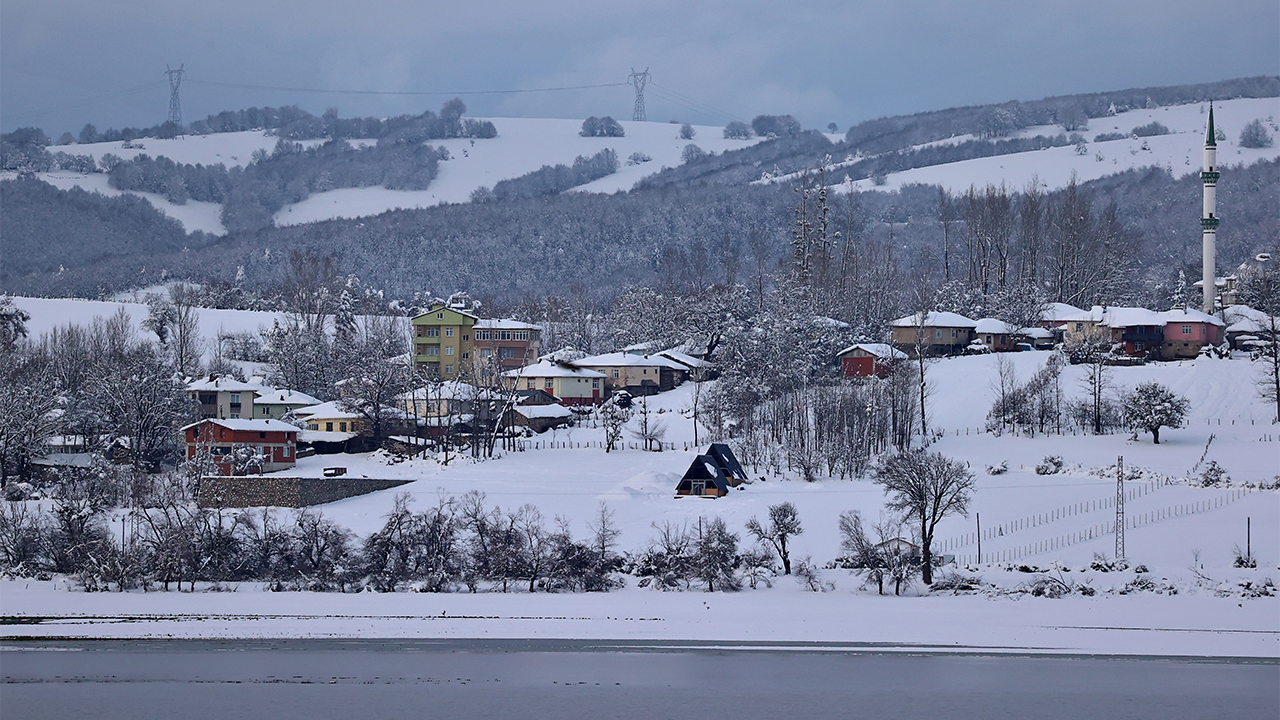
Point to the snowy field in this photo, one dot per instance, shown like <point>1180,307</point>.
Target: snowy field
<point>1056,523</point>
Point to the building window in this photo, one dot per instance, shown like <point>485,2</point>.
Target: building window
<point>235,416</point>
<point>507,353</point>
<point>313,426</point>
<point>466,337</point>
<point>484,352</point>
<point>288,451</point>
<point>530,384</point>
<point>549,384</point>
<point>1139,346</point>
<point>448,332</point>
<point>595,383</point>
<point>448,369</point>
<point>261,435</point>
<point>433,332</point>
<point>342,426</point>
<point>431,349</point>
<point>1079,327</point>
<point>615,373</point>
<point>439,316</point>
<point>937,333</point>
<point>466,356</point>
<point>448,349</point>
<point>235,398</point>
<point>1186,329</point>
<point>328,427</point>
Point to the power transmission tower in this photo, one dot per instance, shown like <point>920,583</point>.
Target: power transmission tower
<point>639,80</point>
<point>175,105</point>
<point>1120,508</point>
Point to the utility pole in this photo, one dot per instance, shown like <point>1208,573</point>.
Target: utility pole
<point>639,80</point>
<point>175,105</point>
<point>1120,508</point>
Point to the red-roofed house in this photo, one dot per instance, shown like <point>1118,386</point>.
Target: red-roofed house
<point>274,443</point>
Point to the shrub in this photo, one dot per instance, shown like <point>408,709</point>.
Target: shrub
<point>1243,559</point>
<point>1214,475</point>
<point>691,153</point>
<point>1104,137</point>
<point>955,583</point>
<point>1102,564</point>
<point>1000,469</point>
<point>687,132</point>
<point>638,158</point>
<point>1151,129</point>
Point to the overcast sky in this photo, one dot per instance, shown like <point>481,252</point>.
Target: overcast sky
<point>64,63</point>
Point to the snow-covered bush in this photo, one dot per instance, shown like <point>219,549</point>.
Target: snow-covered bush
<point>1150,129</point>
<point>1243,558</point>
<point>810,577</point>
<point>1254,135</point>
<point>1102,564</point>
<point>1050,465</point>
<point>638,158</point>
<point>1000,469</point>
<point>1213,475</point>
<point>1152,406</point>
<point>956,583</point>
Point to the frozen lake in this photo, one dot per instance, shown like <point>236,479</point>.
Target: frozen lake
<point>283,679</point>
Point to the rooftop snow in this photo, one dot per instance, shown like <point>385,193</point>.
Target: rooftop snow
<point>935,319</point>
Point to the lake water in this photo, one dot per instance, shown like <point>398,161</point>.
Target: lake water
<point>311,679</point>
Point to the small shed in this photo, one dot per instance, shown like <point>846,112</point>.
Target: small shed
<point>712,473</point>
<point>867,359</point>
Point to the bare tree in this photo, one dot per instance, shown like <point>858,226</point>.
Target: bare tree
<point>1260,289</point>
<point>650,430</point>
<point>926,487</point>
<point>783,524</point>
<point>186,330</point>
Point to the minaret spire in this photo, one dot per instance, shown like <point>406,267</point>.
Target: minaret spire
<point>1209,219</point>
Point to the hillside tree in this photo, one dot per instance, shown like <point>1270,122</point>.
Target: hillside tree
<point>926,487</point>
<point>1152,406</point>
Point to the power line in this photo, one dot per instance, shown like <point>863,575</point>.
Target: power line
<point>716,117</point>
<point>707,108</point>
<point>243,86</point>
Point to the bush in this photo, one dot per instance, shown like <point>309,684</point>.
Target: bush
<point>601,127</point>
<point>1213,475</point>
<point>638,158</point>
<point>687,132</point>
<point>737,130</point>
<point>775,126</point>
<point>1000,469</point>
<point>1254,135</point>
<point>1102,564</point>
<point>1050,465</point>
<point>1243,559</point>
<point>955,583</point>
<point>1150,129</point>
<point>1104,137</point>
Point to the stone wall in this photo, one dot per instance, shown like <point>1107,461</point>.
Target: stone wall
<point>260,490</point>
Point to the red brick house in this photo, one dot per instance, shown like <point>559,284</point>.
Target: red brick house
<point>268,445</point>
<point>867,359</point>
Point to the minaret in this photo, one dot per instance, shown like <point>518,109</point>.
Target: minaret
<point>1209,220</point>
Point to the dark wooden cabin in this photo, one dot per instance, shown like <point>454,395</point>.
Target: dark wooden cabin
<point>712,473</point>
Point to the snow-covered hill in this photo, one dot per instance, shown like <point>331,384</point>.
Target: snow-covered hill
<point>526,144</point>
<point>1179,152</point>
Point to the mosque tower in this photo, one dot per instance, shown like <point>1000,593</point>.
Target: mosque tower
<point>1209,220</point>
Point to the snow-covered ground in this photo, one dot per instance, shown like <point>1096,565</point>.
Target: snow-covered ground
<point>193,214</point>
<point>1046,521</point>
<point>1180,152</point>
<point>49,313</point>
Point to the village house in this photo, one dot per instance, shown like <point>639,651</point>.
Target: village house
<point>712,473</point>
<point>996,335</point>
<point>938,333</point>
<point>1187,331</point>
<point>867,359</point>
<point>223,397</point>
<point>571,384</point>
<point>637,374</point>
<point>272,445</point>
<point>275,403</point>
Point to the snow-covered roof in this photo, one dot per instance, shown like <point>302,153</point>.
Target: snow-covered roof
<point>222,384</point>
<point>451,390</point>
<point>683,359</point>
<point>439,308</point>
<point>1233,313</point>
<point>543,411</point>
<point>880,350</point>
<point>567,354</point>
<point>315,436</point>
<point>1245,325</point>
<point>1062,312</point>
<point>992,326</point>
<point>251,425</point>
<point>1036,333</point>
<point>1191,315</point>
<point>504,324</point>
<point>284,396</point>
<point>1121,317</point>
<point>623,359</point>
<point>546,369</point>
<point>935,319</point>
<point>331,410</point>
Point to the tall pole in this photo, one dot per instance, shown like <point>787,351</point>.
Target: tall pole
<point>1209,219</point>
<point>1120,508</point>
<point>978,518</point>
<point>175,104</point>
